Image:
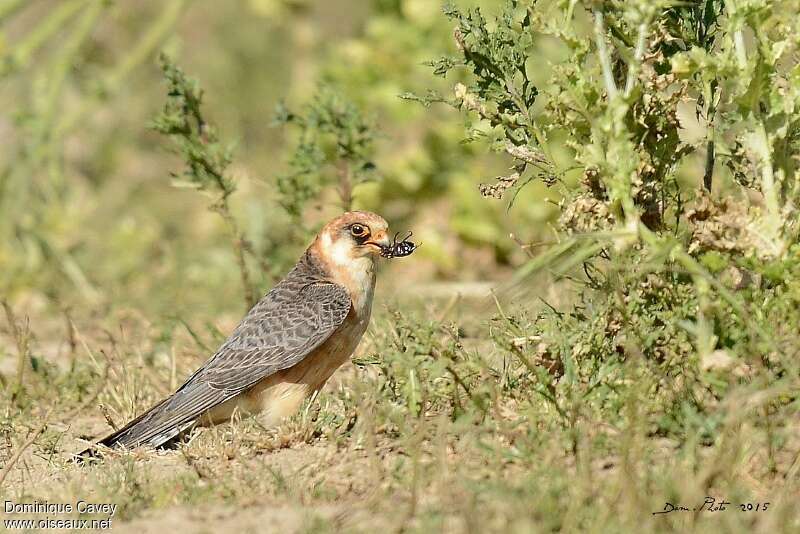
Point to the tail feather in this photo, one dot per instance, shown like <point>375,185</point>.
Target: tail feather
<point>169,419</point>
<point>140,431</point>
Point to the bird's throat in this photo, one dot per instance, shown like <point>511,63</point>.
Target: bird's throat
<point>354,272</point>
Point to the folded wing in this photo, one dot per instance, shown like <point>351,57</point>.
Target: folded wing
<point>283,328</point>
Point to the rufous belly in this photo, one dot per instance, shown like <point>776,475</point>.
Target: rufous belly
<point>281,394</point>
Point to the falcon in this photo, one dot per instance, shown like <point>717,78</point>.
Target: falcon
<point>288,344</point>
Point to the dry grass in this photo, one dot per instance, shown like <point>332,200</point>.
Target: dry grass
<point>665,371</point>
<point>362,458</point>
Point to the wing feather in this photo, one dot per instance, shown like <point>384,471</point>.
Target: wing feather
<point>283,328</point>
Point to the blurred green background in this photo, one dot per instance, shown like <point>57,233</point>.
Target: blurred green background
<point>654,357</point>
<point>90,214</point>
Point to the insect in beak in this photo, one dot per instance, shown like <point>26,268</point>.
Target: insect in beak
<point>398,249</point>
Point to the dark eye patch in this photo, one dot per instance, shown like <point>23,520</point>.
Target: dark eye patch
<point>359,232</point>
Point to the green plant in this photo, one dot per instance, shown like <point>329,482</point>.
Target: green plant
<point>638,220</point>
<point>638,62</point>
<point>207,159</point>
<point>334,147</point>
<point>648,352</point>
<point>56,85</point>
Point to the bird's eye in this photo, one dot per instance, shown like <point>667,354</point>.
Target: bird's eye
<point>358,230</point>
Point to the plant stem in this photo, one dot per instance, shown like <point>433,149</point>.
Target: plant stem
<point>741,51</point>
<point>605,58</point>
<point>138,55</point>
<point>18,453</point>
<point>709,170</point>
<point>57,73</point>
<point>239,246</point>
<point>345,184</point>
<point>54,22</point>
<point>633,68</point>
<point>22,338</point>
<point>710,113</point>
<point>10,7</point>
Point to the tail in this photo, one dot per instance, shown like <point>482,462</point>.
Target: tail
<point>139,432</point>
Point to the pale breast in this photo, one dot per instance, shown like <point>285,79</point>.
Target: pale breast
<point>281,395</point>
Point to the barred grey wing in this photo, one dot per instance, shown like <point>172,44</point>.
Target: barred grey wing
<point>283,328</point>
<point>278,337</point>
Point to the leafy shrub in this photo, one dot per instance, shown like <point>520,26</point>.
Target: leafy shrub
<point>662,204</point>
<point>334,147</point>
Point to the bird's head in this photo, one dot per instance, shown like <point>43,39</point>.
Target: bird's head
<point>348,246</point>
<point>353,236</point>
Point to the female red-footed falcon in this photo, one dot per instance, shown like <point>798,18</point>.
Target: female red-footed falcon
<point>288,344</point>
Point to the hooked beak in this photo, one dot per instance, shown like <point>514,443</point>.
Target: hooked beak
<point>380,241</point>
